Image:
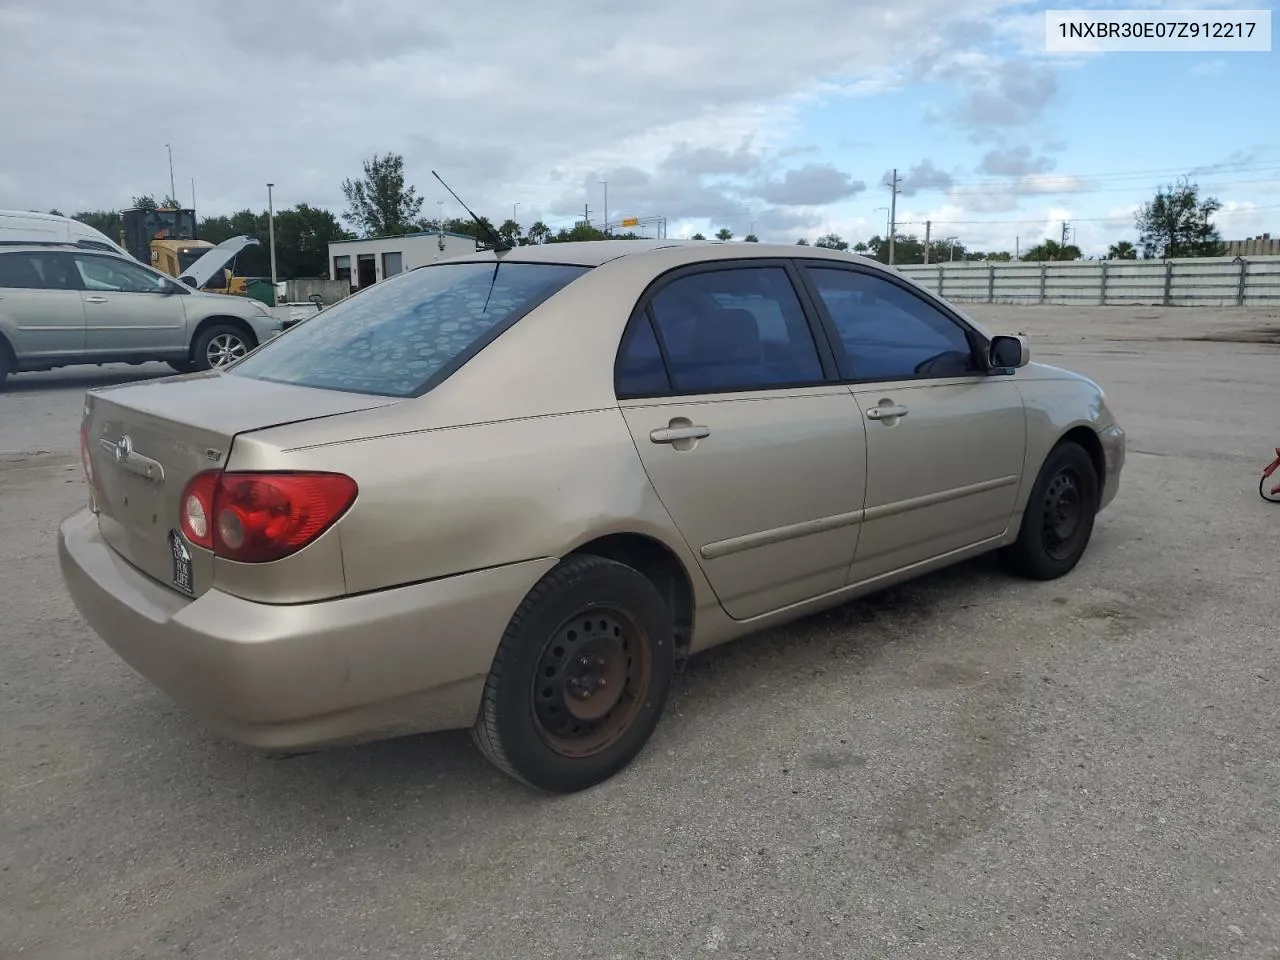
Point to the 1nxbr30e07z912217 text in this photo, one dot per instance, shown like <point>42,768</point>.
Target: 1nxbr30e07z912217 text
<point>1149,31</point>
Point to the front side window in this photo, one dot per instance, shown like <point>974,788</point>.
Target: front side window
<point>118,276</point>
<point>887,332</point>
<point>734,329</point>
<point>393,338</point>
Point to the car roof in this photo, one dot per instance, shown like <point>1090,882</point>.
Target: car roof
<point>594,253</point>
<point>91,246</point>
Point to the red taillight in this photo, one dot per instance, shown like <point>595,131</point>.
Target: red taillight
<point>196,512</point>
<point>258,517</point>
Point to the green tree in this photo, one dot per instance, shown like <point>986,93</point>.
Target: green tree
<point>1052,250</point>
<point>724,233</point>
<point>511,232</point>
<point>832,241</point>
<point>379,203</point>
<point>108,221</point>
<point>1177,223</point>
<point>1123,250</point>
<point>56,212</point>
<point>538,233</point>
<point>750,238</point>
<point>802,242</point>
<point>697,236</point>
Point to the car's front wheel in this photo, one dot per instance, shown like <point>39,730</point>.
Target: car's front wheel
<point>220,345</point>
<point>1057,523</point>
<point>580,677</point>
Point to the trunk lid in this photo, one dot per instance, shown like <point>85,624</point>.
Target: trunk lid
<point>175,429</point>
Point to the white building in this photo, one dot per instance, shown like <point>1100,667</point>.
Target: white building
<point>365,262</point>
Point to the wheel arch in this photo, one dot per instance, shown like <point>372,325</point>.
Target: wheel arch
<point>217,320</point>
<point>1084,435</point>
<point>661,566</point>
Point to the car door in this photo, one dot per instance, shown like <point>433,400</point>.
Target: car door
<point>753,448</point>
<point>946,439</point>
<point>40,309</point>
<point>129,309</point>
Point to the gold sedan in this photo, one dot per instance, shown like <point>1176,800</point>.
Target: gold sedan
<point>514,490</point>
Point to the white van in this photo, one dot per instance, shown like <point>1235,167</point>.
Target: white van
<point>24,226</point>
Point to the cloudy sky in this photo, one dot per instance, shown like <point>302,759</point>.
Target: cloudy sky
<point>785,117</point>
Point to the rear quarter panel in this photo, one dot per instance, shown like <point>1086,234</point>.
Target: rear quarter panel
<point>441,501</point>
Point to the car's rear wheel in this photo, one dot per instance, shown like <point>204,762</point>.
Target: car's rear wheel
<point>580,677</point>
<point>220,345</point>
<point>1057,523</point>
<point>6,363</point>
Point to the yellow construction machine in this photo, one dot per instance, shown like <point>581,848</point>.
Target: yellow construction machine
<point>165,238</point>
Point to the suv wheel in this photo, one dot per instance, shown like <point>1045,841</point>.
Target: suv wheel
<point>6,363</point>
<point>220,345</point>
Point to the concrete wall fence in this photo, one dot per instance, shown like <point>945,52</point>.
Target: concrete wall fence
<point>1209,282</point>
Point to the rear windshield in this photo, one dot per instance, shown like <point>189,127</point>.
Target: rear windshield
<point>400,336</point>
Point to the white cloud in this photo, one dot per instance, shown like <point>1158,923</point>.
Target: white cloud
<point>509,101</point>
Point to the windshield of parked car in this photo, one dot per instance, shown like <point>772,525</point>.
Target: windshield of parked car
<point>400,336</point>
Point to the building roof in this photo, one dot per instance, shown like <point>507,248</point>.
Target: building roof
<point>406,236</point>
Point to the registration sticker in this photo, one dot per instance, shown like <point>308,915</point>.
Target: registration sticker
<point>182,578</point>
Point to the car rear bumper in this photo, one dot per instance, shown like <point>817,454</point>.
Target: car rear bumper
<point>288,677</point>
<point>1113,450</point>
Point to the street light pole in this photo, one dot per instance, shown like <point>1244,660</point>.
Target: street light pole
<point>606,205</point>
<point>271,232</point>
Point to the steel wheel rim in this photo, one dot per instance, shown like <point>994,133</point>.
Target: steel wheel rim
<point>1062,517</point>
<point>592,680</point>
<point>224,348</point>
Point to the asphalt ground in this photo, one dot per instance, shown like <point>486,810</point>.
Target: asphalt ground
<point>966,766</point>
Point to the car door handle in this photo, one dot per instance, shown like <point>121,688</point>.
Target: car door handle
<point>676,434</point>
<point>95,299</point>
<point>887,412</point>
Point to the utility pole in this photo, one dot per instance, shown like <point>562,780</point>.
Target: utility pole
<point>606,205</point>
<point>440,225</point>
<point>893,212</point>
<point>271,232</point>
<point>514,207</point>
<point>586,214</point>
<point>928,225</point>
<point>1017,248</point>
<point>173,189</point>
<point>1064,233</point>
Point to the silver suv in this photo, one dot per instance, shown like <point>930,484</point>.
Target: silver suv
<point>64,304</point>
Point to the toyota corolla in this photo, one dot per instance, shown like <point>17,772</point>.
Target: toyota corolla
<point>512,492</point>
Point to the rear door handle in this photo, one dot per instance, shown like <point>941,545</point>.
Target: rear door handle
<point>676,434</point>
<point>95,299</point>
<point>887,411</point>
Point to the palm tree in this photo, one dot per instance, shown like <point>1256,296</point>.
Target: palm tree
<point>1124,250</point>
<point>1052,250</point>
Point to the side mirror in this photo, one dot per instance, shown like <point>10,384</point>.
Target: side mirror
<point>1009,352</point>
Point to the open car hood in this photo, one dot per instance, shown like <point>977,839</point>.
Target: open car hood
<point>208,266</point>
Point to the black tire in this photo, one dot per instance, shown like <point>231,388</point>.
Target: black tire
<point>1264,486</point>
<point>221,339</point>
<point>183,366</point>
<point>1057,523</point>
<point>6,363</point>
<point>588,621</point>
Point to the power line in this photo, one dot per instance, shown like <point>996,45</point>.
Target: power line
<point>1045,219</point>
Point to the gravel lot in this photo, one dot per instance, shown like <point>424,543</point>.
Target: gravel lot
<point>969,766</point>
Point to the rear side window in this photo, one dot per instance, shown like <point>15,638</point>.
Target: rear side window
<point>394,338</point>
<point>36,271</point>
<point>733,329</point>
